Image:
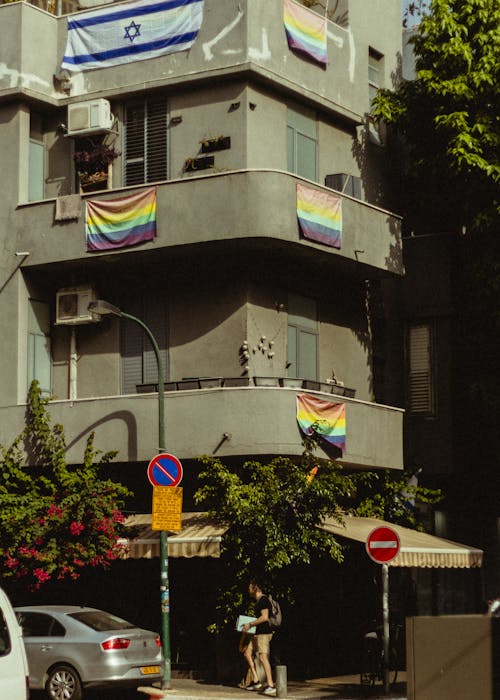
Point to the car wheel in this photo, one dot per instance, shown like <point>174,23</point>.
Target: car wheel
<point>63,683</point>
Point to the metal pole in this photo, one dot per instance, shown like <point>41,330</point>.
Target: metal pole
<point>385,613</point>
<point>164,584</point>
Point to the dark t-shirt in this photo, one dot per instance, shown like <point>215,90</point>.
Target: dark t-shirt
<point>260,605</point>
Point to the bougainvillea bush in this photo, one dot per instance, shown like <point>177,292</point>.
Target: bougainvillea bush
<point>56,519</point>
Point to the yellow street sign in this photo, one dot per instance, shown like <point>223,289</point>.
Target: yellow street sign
<point>167,508</point>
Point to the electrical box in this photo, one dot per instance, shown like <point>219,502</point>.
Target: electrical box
<point>72,306</point>
<point>91,117</point>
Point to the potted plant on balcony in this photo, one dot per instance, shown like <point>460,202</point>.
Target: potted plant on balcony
<point>93,166</point>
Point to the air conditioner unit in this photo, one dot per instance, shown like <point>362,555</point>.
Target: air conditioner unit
<point>72,306</point>
<point>343,182</point>
<point>92,117</point>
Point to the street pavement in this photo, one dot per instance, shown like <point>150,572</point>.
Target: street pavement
<point>331,688</point>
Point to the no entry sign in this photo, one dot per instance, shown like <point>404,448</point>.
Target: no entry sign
<point>165,470</point>
<point>382,544</point>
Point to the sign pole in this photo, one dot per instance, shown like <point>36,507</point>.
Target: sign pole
<point>164,585</point>
<point>165,609</point>
<point>382,546</point>
<point>385,614</point>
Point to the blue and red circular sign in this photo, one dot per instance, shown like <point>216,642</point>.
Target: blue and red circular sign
<point>383,544</point>
<point>165,470</point>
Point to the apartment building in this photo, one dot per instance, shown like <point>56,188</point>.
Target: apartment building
<point>248,311</point>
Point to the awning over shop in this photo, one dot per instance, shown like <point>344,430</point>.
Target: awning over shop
<point>199,537</point>
<point>417,548</point>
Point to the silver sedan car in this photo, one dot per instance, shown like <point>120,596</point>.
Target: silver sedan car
<point>71,647</point>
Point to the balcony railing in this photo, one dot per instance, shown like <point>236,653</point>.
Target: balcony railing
<point>225,382</point>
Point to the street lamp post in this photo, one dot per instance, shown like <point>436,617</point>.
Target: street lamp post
<point>101,308</point>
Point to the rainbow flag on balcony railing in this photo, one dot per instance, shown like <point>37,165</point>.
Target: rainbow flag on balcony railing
<point>122,222</point>
<point>132,31</point>
<point>305,31</point>
<point>320,215</point>
<point>322,417</point>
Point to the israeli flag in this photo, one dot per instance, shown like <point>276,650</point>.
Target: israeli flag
<point>132,31</point>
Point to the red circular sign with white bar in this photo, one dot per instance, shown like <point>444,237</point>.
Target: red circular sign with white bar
<point>383,544</point>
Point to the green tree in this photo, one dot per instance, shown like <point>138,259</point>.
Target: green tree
<point>275,510</point>
<point>55,519</point>
<point>448,117</point>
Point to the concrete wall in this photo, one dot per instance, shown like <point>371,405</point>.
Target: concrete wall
<point>260,421</point>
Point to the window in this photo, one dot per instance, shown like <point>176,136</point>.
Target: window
<point>36,624</point>
<point>5,643</point>
<point>39,361</point>
<point>421,379</point>
<point>36,166</point>
<point>301,143</point>
<point>302,348</point>
<point>145,141</point>
<point>374,73</point>
<point>139,364</point>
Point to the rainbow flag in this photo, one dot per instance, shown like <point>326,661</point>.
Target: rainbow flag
<point>122,222</point>
<point>305,31</point>
<point>320,216</point>
<point>322,417</point>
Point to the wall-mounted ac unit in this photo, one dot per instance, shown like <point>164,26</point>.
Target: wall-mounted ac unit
<point>345,183</point>
<point>72,306</point>
<point>92,117</point>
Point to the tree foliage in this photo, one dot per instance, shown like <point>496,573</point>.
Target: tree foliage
<point>449,117</point>
<point>274,511</point>
<point>55,519</point>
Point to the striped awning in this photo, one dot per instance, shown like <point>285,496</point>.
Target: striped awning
<point>199,537</point>
<point>417,548</point>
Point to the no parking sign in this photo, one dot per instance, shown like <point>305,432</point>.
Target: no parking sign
<point>165,470</point>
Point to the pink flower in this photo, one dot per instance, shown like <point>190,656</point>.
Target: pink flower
<point>76,528</point>
<point>41,575</point>
<point>118,516</point>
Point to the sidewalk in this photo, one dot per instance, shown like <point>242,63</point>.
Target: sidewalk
<point>332,688</point>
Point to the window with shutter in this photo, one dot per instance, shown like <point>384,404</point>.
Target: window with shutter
<point>420,369</point>
<point>146,141</point>
<point>138,358</point>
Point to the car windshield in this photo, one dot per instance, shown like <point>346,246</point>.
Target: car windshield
<point>101,621</point>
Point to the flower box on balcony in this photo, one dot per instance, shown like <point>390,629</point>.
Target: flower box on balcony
<point>188,384</point>
<point>210,382</point>
<point>266,381</point>
<point>291,382</point>
<point>310,384</point>
<point>236,381</point>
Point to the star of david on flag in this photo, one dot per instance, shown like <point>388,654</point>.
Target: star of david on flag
<point>128,31</point>
<point>131,31</point>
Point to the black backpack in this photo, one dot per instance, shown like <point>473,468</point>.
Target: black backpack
<point>275,616</point>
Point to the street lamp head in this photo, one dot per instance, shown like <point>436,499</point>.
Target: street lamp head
<point>102,308</point>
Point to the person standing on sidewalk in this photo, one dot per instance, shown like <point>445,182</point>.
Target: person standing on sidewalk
<point>261,640</point>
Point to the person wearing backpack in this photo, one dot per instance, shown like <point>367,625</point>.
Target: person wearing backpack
<point>261,639</point>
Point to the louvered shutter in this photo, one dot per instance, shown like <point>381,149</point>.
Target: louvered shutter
<point>146,141</point>
<point>420,379</point>
<point>138,359</point>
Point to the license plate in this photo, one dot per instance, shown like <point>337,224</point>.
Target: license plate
<point>146,670</point>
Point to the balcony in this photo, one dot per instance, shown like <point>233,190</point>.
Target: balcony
<point>226,422</point>
<point>243,210</point>
<point>237,38</point>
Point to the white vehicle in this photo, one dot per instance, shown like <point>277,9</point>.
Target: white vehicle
<point>13,663</point>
